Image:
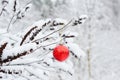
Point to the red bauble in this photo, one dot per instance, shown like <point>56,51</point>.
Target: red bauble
<point>61,53</point>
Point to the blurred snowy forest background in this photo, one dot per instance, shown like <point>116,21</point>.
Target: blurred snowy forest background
<point>98,36</point>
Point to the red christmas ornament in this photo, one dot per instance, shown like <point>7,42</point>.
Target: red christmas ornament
<point>61,53</point>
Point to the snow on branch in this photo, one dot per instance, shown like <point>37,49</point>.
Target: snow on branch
<point>2,47</point>
<point>4,4</point>
<point>29,55</point>
<point>37,44</point>
<point>9,55</point>
<point>27,34</point>
<point>14,11</point>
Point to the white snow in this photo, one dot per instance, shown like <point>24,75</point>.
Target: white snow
<point>100,34</point>
<point>76,49</point>
<point>17,50</point>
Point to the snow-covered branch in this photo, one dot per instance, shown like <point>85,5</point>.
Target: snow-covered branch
<point>33,48</point>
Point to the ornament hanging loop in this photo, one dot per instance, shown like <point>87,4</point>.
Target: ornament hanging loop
<point>61,31</point>
<point>60,34</point>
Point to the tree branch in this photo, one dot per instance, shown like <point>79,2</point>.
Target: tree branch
<point>54,31</point>
<point>26,35</point>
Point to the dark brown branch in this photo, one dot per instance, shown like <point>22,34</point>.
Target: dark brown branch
<point>37,31</point>
<point>11,58</point>
<point>20,14</point>
<point>10,71</point>
<point>14,7</point>
<point>54,23</point>
<point>1,51</point>
<point>2,47</point>
<point>54,31</point>
<point>73,54</point>
<point>70,36</point>
<point>79,21</point>
<point>26,35</point>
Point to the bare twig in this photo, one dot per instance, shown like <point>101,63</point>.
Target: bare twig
<point>25,8</point>
<point>26,35</point>
<point>1,51</point>
<point>1,11</point>
<point>54,31</point>
<point>2,47</point>
<point>33,74</point>
<point>37,31</point>
<point>14,7</point>
<point>4,2</point>
<point>11,58</point>
<point>10,23</point>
